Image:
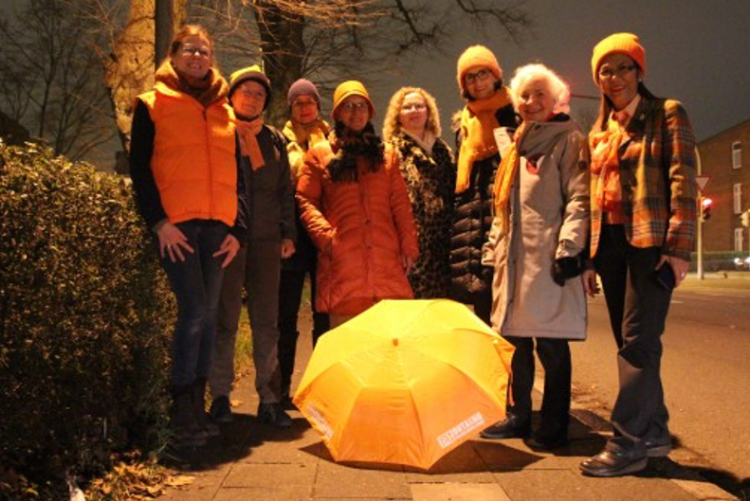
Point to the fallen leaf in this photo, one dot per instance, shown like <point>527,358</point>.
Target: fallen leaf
<point>179,481</point>
<point>155,490</point>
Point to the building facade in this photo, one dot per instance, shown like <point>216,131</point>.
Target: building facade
<point>725,158</point>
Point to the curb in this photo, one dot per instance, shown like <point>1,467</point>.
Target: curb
<point>692,482</point>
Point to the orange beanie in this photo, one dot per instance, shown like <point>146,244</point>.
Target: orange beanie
<point>623,43</point>
<point>477,55</point>
<point>350,88</point>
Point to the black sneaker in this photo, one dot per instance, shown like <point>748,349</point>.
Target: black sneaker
<point>221,410</point>
<point>273,414</point>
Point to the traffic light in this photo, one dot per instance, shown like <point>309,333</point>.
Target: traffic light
<point>706,204</point>
<point>745,217</point>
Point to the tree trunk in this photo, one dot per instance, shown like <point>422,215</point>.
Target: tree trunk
<point>283,49</point>
<point>169,18</point>
<point>130,70</point>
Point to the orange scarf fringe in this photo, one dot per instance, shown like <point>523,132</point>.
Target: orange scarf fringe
<point>478,123</point>
<point>248,132</point>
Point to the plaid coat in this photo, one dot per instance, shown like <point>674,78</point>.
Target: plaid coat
<point>657,174</point>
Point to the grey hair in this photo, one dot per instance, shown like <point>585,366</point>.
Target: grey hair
<point>558,89</point>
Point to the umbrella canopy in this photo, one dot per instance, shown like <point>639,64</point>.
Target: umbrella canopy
<point>405,382</point>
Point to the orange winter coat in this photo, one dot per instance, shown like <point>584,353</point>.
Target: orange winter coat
<point>194,161</point>
<point>361,230</point>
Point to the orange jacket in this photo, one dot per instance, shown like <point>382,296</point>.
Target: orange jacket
<point>361,230</point>
<point>194,162</point>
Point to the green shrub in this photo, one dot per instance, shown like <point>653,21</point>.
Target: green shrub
<point>85,318</point>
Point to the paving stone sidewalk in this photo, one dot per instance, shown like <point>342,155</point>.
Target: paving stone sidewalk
<point>254,462</point>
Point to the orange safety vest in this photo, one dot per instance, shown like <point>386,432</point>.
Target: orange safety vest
<point>194,161</point>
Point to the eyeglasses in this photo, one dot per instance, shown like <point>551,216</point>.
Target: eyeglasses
<point>303,104</point>
<point>478,76</point>
<point>189,50</point>
<point>606,73</point>
<point>361,106</point>
<point>415,107</point>
<point>252,93</point>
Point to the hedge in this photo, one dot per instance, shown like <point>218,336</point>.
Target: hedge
<point>85,318</point>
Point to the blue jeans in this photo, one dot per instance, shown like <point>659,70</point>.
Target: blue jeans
<point>196,283</point>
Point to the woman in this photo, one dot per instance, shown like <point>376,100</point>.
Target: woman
<point>541,222</point>
<point>354,204</point>
<point>412,128</point>
<point>186,182</point>
<point>303,130</point>
<point>271,235</point>
<point>488,107</point>
<point>643,217</point>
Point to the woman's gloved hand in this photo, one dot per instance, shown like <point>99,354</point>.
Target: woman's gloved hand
<point>565,268</point>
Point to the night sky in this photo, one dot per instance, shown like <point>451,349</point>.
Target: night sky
<point>696,52</point>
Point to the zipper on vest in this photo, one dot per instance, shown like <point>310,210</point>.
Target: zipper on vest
<point>211,204</point>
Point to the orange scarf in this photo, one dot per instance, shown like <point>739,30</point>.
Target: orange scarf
<point>605,163</point>
<point>308,135</point>
<point>478,123</point>
<point>248,132</point>
<point>301,138</point>
<point>506,173</point>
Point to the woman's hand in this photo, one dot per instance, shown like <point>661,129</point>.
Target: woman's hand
<point>287,248</point>
<point>679,266</point>
<point>590,286</point>
<point>229,246</point>
<point>173,241</point>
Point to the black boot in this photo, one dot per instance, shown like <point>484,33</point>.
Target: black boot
<point>199,404</point>
<point>185,430</point>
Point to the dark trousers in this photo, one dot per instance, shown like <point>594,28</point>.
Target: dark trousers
<point>482,304</point>
<point>290,299</point>
<point>196,283</point>
<point>258,268</point>
<point>638,307</point>
<point>555,357</point>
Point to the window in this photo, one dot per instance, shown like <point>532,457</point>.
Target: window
<point>739,235</point>
<point>736,155</point>
<point>737,198</point>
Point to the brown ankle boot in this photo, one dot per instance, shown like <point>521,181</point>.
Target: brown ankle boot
<point>199,403</point>
<point>185,430</point>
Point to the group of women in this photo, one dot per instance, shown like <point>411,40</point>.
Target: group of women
<point>517,224</point>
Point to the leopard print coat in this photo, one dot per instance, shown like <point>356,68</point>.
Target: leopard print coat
<point>430,182</point>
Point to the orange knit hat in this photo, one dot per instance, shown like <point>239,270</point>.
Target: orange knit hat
<point>477,55</point>
<point>623,43</point>
<point>350,88</point>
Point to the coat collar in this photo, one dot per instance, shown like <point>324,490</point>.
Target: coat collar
<point>646,109</point>
<point>539,135</point>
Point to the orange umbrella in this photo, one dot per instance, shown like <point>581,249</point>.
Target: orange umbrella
<point>405,382</point>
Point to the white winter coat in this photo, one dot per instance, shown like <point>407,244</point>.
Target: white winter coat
<point>549,219</point>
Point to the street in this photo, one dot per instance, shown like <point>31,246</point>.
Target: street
<point>705,373</point>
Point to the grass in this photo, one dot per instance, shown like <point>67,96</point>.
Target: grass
<point>243,352</point>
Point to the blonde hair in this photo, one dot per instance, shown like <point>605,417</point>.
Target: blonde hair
<point>558,89</point>
<point>391,125</point>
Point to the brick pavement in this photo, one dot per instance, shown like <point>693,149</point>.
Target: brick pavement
<point>253,462</point>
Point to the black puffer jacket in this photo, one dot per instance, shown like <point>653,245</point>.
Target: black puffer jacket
<point>472,219</point>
